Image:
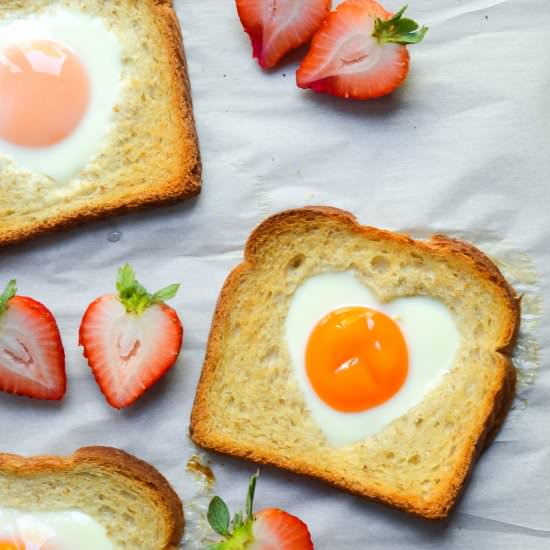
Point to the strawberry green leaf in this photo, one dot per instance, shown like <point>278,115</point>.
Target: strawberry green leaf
<point>165,293</point>
<point>239,534</point>
<point>237,520</point>
<point>398,30</point>
<point>218,516</point>
<point>250,496</point>
<point>407,25</point>
<point>214,547</point>
<point>7,295</point>
<point>134,296</point>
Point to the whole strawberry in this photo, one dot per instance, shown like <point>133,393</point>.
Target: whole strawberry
<point>32,359</point>
<point>131,339</point>
<point>268,529</point>
<point>359,51</point>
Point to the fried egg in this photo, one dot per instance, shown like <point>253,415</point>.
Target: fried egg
<point>59,81</point>
<point>361,363</point>
<point>63,530</point>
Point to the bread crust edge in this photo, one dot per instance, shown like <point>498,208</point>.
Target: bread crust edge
<point>492,415</point>
<point>184,185</point>
<point>116,462</point>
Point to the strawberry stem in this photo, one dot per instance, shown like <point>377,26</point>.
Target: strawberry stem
<point>7,295</point>
<point>134,296</point>
<point>398,30</point>
<point>250,496</point>
<point>238,535</point>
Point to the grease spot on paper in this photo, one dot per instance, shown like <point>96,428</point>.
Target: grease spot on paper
<point>198,533</point>
<point>520,271</point>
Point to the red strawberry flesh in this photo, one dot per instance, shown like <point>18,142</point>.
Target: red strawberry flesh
<point>349,58</point>
<point>129,352</point>
<point>32,359</point>
<point>275,529</point>
<point>277,26</point>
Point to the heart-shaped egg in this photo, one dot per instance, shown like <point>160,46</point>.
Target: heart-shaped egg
<point>60,78</point>
<point>51,530</point>
<point>361,363</point>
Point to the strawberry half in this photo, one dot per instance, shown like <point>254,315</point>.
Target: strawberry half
<point>359,51</point>
<point>131,339</point>
<point>268,529</point>
<point>277,26</point>
<point>32,359</point>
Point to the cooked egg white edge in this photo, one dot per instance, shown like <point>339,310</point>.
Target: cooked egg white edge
<point>101,53</point>
<point>428,328</point>
<point>73,529</point>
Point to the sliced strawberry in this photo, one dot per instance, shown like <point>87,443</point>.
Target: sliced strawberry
<point>32,359</point>
<point>277,26</point>
<point>359,51</point>
<point>131,339</point>
<point>268,529</point>
<point>274,529</point>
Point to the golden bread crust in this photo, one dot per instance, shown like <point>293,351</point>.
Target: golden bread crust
<point>499,392</point>
<point>185,179</point>
<point>123,468</point>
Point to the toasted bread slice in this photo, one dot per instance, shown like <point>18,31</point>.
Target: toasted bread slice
<point>249,405</point>
<point>149,153</point>
<point>128,497</point>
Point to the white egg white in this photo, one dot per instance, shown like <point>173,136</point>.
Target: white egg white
<point>65,530</point>
<point>429,330</point>
<point>100,52</point>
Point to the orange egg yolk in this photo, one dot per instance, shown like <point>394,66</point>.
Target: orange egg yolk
<point>44,93</point>
<point>19,544</point>
<point>356,359</point>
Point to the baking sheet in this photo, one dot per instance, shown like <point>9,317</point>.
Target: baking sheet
<point>463,148</point>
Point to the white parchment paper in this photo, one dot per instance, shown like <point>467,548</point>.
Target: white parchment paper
<point>463,148</point>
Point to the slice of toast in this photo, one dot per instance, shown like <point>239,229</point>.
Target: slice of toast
<point>148,155</point>
<point>248,403</point>
<point>128,497</point>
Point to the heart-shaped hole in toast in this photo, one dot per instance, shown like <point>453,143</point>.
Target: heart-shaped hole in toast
<point>427,326</point>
